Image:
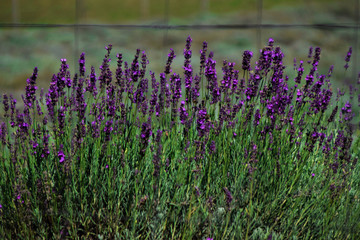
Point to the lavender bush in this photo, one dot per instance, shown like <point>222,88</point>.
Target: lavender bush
<point>129,154</point>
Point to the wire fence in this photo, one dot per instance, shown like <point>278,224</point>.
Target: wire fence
<point>258,26</point>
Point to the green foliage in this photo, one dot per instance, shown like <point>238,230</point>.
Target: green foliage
<point>253,185</point>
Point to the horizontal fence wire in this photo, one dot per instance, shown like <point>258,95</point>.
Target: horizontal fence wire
<point>180,27</point>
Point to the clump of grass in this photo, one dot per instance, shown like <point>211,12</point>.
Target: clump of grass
<point>252,154</point>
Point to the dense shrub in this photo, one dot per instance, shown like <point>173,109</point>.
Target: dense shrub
<point>131,154</point>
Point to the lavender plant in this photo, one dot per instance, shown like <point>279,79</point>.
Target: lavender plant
<point>252,155</point>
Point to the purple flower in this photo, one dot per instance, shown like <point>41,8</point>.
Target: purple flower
<point>316,57</point>
<point>347,58</point>
<point>201,122</point>
<point>38,108</point>
<point>61,119</point>
<point>146,132</point>
<point>228,71</point>
<point>3,133</point>
<point>265,59</point>
<point>271,42</point>
<point>108,129</point>
<point>61,77</point>
<point>310,53</point>
<point>347,112</point>
<point>35,145</point>
<point>91,87</point>
<point>106,75</point>
<point>333,113</point>
<point>175,85</point>
<point>300,71</point>
<point>183,114</point>
<point>212,147</point>
<point>119,72</point>
<point>203,57</point>
<point>144,62</point>
<point>334,167</point>
<point>61,154</point>
<point>45,151</point>
<point>330,71</point>
<point>171,57</point>
<point>299,93</point>
<point>52,97</point>
<point>235,82</point>
<point>257,117</point>
<point>188,68</point>
<point>6,104</point>
<point>135,71</point>
<point>277,58</point>
<point>247,55</point>
<point>195,91</point>
<point>154,97</point>
<point>210,74</point>
<point>110,100</point>
<point>82,68</point>
<point>80,133</point>
<point>21,123</point>
<point>95,129</point>
<point>253,85</point>
<point>30,89</point>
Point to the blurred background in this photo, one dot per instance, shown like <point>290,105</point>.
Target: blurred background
<point>41,32</point>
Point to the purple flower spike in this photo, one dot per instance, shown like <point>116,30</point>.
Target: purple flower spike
<point>30,89</point>
<point>202,125</point>
<point>271,42</point>
<point>108,129</point>
<point>183,114</point>
<point>203,57</point>
<point>91,87</point>
<point>146,132</point>
<point>61,154</point>
<point>82,65</point>
<point>212,147</point>
<point>257,117</point>
<point>106,75</point>
<point>188,68</point>
<point>300,71</point>
<point>6,104</point>
<point>347,112</point>
<point>135,71</point>
<point>61,119</point>
<point>347,58</point>
<point>3,132</point>
<point>311,49</point>
<point>171,57</point>
<point>247,55</point>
